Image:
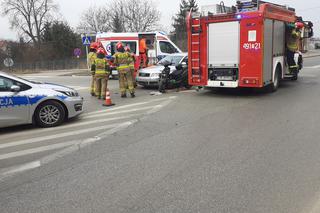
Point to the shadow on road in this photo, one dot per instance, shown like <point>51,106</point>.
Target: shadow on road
<point>246,92</point>
<point>239,92</point>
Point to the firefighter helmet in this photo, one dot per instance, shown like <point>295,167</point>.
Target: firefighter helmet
<point>299,25</point>
<point>119,46</point>
<point>101,51</point>
<point>94,45</point>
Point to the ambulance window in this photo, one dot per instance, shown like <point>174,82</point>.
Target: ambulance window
<point>131,44</point>
<point>166,47</point>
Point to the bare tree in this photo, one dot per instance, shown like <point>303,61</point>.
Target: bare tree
<point>140,15</point>
<point>29,16</point>
<point>96,19</point>
<point>122,16</point>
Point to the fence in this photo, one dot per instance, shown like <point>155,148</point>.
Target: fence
<point>67,64</point>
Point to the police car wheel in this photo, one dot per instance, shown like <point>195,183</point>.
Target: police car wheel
<point>50,114</point>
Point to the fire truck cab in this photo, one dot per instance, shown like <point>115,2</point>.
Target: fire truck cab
<point>242,46</point>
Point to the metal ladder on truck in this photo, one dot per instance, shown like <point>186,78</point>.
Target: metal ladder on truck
<point>195,47</point>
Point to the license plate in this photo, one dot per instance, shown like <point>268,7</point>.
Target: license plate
<point>114,72</point>
<point>225,78</point>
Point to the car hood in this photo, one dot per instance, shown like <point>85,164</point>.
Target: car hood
<point>156,69</point>
<point>54,87</point>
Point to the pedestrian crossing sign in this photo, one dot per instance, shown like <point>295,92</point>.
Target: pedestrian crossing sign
<point>86,40</point>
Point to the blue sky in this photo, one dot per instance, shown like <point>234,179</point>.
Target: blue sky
<point>71,12</point>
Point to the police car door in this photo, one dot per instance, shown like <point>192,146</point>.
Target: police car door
<point>14,105</point>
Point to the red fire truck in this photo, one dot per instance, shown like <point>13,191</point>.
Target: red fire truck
<point>242,46</point>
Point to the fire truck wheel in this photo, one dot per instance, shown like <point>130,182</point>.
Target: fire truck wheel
<point>276,80</point>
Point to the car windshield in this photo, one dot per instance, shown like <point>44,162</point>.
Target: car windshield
<point>174,59</point>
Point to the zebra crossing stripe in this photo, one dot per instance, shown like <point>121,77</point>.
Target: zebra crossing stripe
<point>61,135</point>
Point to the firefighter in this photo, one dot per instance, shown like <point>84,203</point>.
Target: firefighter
<point>143,52</point>
<point>132,67</point>
<point>101,71</point>
<point>293,38</point>
<point>123,60</point>
<point>91,57</point>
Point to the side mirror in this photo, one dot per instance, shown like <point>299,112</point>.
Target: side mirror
<point>15,88</point>
<point>184,64</point>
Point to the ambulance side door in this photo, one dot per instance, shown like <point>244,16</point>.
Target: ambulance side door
<point>14,106</point>
<point>107,46</point>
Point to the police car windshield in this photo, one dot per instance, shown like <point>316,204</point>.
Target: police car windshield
<point>174,59</point>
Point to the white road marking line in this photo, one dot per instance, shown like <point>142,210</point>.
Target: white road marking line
<point>158,107</point>
<point>312,67</point>
<point>61,135</point>
<point>308,75</point>
<point>131,105</point>
<point>35,150</point>
<point>36,76</point>
<point>118,112</point>
<point>67,126</point>
<point>100,113</point>
<point>78,87</point>
<point>81,144</point>
<point>21,168</point>
<point>77,145</point>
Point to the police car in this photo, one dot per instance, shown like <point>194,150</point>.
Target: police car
<point>25,102</point>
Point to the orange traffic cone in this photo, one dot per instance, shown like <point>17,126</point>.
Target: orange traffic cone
<point>108,102</point>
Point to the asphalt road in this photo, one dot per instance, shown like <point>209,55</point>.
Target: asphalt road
<point>212,151</point>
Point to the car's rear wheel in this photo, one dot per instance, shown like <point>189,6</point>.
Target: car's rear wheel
<point>49,114</point>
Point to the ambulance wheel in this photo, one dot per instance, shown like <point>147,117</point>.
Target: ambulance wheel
<point>276,81</point>
<point>49,114</point>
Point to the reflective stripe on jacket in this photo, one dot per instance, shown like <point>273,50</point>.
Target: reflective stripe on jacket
<point>100,66</point>
<point>122,60</point>
<point>91,57</point>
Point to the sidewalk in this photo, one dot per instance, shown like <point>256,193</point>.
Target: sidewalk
<point>81,72</point>
<point>311,53</point>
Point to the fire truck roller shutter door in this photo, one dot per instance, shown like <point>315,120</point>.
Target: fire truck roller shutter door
<point>267,52</point>
<point>278,46</point>
<point>224,44</point>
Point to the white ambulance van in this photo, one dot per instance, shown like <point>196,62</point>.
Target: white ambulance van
<point>158,43</point>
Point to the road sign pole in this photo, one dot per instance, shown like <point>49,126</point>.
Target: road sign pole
<point>86,40</point>
<point>87,57</point>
